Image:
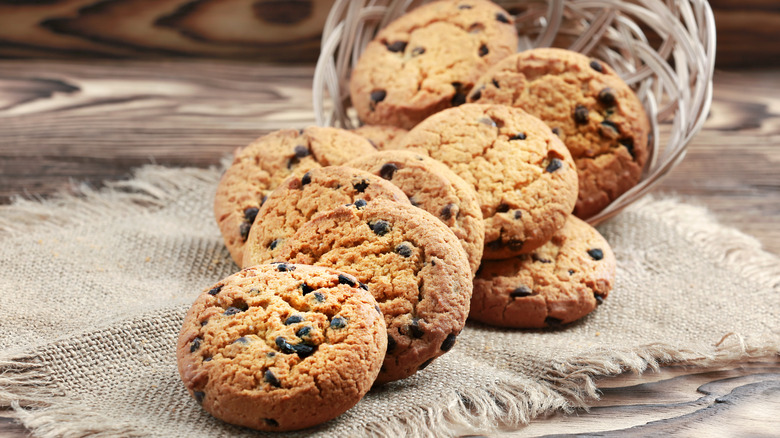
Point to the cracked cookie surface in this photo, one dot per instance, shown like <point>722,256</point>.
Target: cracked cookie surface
<point>261,166</point>
<point>383,137</point>
<point>413,265</point>
<point>523,174</point>
<point>560,282</point>
<point>428,60</point>
<point>281,347</point>
<point>595,113</point>
<point>296,200</point>
<point>436,189</point>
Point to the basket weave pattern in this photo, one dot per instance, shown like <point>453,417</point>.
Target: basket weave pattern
<point>665,50</point>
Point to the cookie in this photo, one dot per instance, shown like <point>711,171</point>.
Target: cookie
<point>296,200</point>
<point>588,105</point>
<point>413,265</point>
<point>436,189</point>
<point>281,347</point>
<point>428,60</point>
<point>381,136</point>
<point>560,282</point>
<point>524,177</point>
<point>265,163</point>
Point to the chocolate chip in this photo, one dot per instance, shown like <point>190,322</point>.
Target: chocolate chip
<point>378,95</point>
<point>361,186</point>
<point>502,208</point>
<point>338,323</point>
<point>537,258</point>
<point>502,17</point>
<point>306,179</point>
<point>464,6</point>
<point>596,254</point>
<point>250,214</point>
<point>595,65</point>
<point>360,203</point>
<point>232,311</point>
<point>628,142</point>
<point>599,299</point>
<point>398,46</point>
<point>417,51</point>
<point>518,214</point>
<point>571,271</point>
<point>611,125</point>
<point>518,136</point>
<point>554,165</point>
<point>241,340</point>
<point>449,342</point>
<point>495,83</point>
<point>458,99</point>
<point>495,245</point>
<point>556,131</point>
<point>521,291</point>
<point>207,359</point>
<point>304,350</point>
<point>391,343</point>
<point>483,50</point>
<point>477,94</point>
<point>293,319</point>
<point>380,227</point>
<point>243,229</point>
<point>607,96</point>
<point>415,330</point>
<point>204,322</point>
<point>271,422</point>
<point>199,395</point>
<point>195,345</point>
<point>413,201</point>
<point>553,322</point>
<point>284,346</point>
<point>404,249</point>
<point>284,267</point>
<point>446,211</point>
<point>275,243</point>
<point>580,115</point>
<point>378,310</point>
<point>301,151</point>
<point>487,121</point>
<point>262,201</point>
<point>303,331</point>
<point>387,170</point>
<point>269,377</point>
<point>349,281</point>
<point>215,290</point>
<point>515,244</point>
<point>425,364</point>
<point>363,285</point>
<point>319,296</point>
<point>306,289</point>
<point>292,162</point>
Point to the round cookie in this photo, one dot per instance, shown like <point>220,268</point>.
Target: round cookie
<point>588,105</point>
<point>281,347</point>
<point>258,168</point>
<point>296,200</point>
<point>383,137</point>
<point>436,189</point>
<point>558,283</point>
<point>428,60</point>
<point>524,176</point>
<point>413,265</point>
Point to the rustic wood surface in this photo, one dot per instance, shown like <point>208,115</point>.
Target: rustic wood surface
<point>64,123</point>
<point>287,30</point>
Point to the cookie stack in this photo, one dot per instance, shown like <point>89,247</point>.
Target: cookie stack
<point>364,252</point>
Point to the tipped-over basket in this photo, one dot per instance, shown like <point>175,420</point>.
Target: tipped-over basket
<point>664,49</point>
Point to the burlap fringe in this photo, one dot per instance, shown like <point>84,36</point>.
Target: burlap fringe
<point>563,387</point>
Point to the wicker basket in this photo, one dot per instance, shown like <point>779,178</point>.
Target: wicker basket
<point>664,49</point>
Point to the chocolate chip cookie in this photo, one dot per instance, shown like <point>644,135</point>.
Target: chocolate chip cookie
<point>560,282</point>
<point>296,200</point>
<point>381,136</point>
<point>428,60</point>
<point>258,168</point>
<point>588,105</point>
<point>410,261</point>
<point>281,347</point>
<point>436,189</point>
<point>523,174</point>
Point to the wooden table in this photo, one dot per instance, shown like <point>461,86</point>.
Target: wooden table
<point>64,123</point>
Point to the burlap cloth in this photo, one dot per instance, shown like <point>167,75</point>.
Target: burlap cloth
<point>94,289</point>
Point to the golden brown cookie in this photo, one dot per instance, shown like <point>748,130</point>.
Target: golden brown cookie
<point>281,347</point>
<point>381,136</point>
<point>523,175</point>
<point>436,189</point>
<point>258,168</point>
<point>413,265</point>
<point>558,283</point>
<point>588,105</point>
<point>428,60</point>
<point>296,200</point>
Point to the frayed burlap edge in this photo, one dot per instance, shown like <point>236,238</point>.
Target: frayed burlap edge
<point>42,407</point>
